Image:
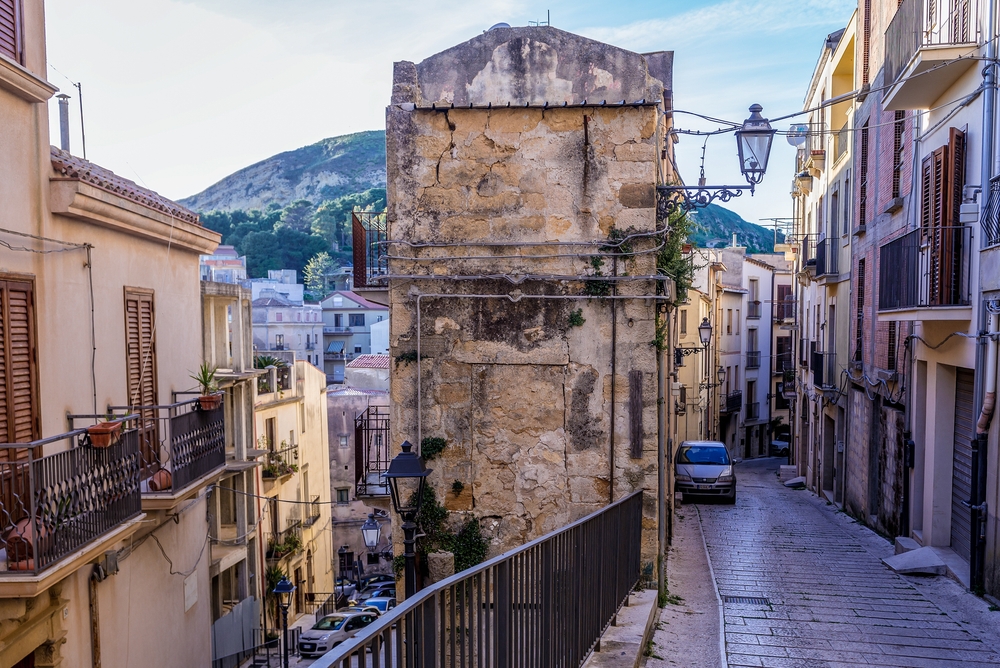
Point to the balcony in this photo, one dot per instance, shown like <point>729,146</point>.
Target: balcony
<point>753,411</point>
<point>311,345</point>
<point>278,379</point>
<point>807,252</point>
<point>784,311</point>
<point>928,46</point>
<point>55,509</point>
<point>925,275</point>
<point>753,309</point>
<point>281,462</point>
<point>285,543</point>
<point>788,383</point>
<point>827,258</point>
<point>337,330</point>
<point>731,403</point>
<point>824,370</point>
<point>753,359</point>
<point>369,240</point>
<point>180,446</point>
<point>371,451</point>
<point>841,142</point>
<point>312,512</point>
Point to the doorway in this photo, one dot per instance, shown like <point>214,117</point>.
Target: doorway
<point>829,451</point>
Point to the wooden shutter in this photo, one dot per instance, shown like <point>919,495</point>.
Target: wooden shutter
<point>140,356</point>
<point>10,29</point>
<point>942,178</point>
<point>19,418</point>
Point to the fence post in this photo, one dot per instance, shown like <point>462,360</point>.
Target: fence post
<point>503,612</point>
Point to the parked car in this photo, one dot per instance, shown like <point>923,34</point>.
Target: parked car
<point>360,608</point>
<point>332,630</point>
<point>344,587</point>
<point>384,589</point>
<point>779,448</point>
<point>378,578</point>
<point>383,603</point>
<point>704,468</point>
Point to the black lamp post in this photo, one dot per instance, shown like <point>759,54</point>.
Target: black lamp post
<point>407,477</point>
<point>753,143</point>
<point>283,590</point>
<point>705,332</point>
<point>371,532</point>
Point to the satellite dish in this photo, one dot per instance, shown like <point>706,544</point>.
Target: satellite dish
<point>797,135</point>
<point>499,25</point>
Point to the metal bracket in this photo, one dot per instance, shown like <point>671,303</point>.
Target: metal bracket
<point>675,199</point>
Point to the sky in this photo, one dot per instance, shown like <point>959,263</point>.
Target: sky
<point>179,94</point>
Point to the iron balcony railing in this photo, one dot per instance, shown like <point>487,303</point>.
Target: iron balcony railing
<point>54,505</point>
<point>788,384</point>
<point>281,382</point>
<point>753,359</point>
<point>784,310</point>
<point>732,403</point>
<point>371,451</point>
<point>546,603</point>
<point>807,251</point>
<point>753,309</point>
<point>824,369</point>
<point>841,141</point>
<point>312,512</point>
<point>827,257</point>
<point>991,215</point>
<point>753,410</point>
<point>281,461</point>
<point>926,268</point>
<point>369,239</point>
<point>179,443</point>
<point>337,330</point>
<point>922,23</point>
<point>335,356</point>
<point>284,543</point>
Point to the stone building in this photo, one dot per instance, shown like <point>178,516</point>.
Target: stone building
<point>521,331</point>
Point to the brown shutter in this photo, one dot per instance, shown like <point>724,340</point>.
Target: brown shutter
<point>956,176</point>
<point>19,420</point>
<point>140,356</point>
<point>10,29</point>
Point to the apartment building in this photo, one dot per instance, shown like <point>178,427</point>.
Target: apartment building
<point>351,324</point>
<point>225,265</point>
<point>283,320</point>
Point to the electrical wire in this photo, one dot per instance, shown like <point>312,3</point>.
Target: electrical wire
<point>171,563</point>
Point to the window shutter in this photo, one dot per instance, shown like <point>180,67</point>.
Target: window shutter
<point>10,29</point>
<point>19,421</point>
<point>956,176</point>
<point>140,357</point>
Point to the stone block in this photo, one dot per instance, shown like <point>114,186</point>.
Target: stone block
<point>637,195</point>
<point>905,544</point>
<point>636,152</point>
<point>923,561</point>
<point>440,565</point>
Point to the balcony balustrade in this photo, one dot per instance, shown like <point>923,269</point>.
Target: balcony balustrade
<point>753,359</point>
<point>753,309</point>
<point>281,461</point>
<point>926,269</point>
<point>281,382</point>
<point>841,141</point>
<point>369,239</point>
<point>371,451</point>
<point>827,257</point>
<point>753,411</point>
<point>285,543</point>
<point>179,444</point>
<point>732,402</point>
<point>54,505</point>
<point>807,251</point>
<point>337,330</point>
<point>312,512</point>
<point>824,369</point>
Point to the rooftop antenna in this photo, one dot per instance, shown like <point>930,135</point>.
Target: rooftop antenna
<point>83,132</point>
<point>548,20</point>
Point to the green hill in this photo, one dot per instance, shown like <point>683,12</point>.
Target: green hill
<point>715,226</point>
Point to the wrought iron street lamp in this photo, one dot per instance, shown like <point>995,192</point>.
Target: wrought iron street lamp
<point>371,531</point>
<point>283,591</point>
<point>753,144</point>
<point>407,477</point>
<point>721,374</point>
<point>705,332</point>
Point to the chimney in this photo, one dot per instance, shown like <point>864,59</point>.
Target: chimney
<point>63,121</point>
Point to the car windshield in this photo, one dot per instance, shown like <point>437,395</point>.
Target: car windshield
<point>703,454</point>
<point>330,623</point>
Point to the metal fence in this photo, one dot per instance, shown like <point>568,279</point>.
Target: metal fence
<point>371,451</point>
<point>753,309</point>
<point>827,257</point>
<point>926,268</point>
<point>53,505</point>
<point>824,369</point>
<point>544,604</point>
<point>920,23</point>
<point>369,234</point>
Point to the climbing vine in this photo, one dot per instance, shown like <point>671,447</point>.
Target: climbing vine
<point>431,447</point>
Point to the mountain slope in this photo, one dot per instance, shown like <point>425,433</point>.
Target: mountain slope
<point>322,171</point>
<point>715,226</point>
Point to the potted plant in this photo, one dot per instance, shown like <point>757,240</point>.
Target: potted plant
<point>105,434</point>
<point>210,397</point>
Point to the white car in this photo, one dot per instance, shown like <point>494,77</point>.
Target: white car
<point>703,468</point>
<point>332,630</point>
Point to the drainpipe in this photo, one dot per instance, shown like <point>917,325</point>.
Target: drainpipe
<point>96,576</point>
<point>978,504</point>
<point>661,430</point>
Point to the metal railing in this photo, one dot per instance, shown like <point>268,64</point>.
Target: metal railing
<point>827,257</point>
<point>336,330</point>
<point>841,140</point>
<point>824,369</point>
<point>753,309</point>
<point>281,381</point>
<point>991,215</point>
<point>753,410</point>
<point>284,543</point>
<point>753,359</point>
<point>282,461</point>
<point>807,251</point>
<point>312,512</point>
<point>926,268</point>
<point>784,310</point>
<point>178,443</point>
<point>53,505</point>
<point>265,654</point>
<point>545,603</point>
<point>920,23</point>
<point>369,237</point>
<point>733,402</point>
<point>371,451</point>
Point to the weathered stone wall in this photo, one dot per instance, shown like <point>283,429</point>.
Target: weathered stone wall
<point>521,391</point>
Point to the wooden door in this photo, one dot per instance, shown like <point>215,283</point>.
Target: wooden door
<point>140,355</point>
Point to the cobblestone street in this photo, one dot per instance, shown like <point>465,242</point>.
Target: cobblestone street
<point>829,599</point>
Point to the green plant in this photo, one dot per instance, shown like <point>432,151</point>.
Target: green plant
<point>272,576</point>
<point>660,341</point>
<point>205,377</point>
<point>576,318</point>
<point>264,361</point>
<point>469,546</point>
<point>408,356</point>
<point>597,288</point>
<point>431,447</point>
<point>457,487</point>
<point>398,564</point>
<point>672,261</point>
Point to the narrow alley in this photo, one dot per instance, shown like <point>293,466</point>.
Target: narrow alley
<point>827,598</point>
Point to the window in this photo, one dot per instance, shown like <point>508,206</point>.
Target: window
<point>356,320</point>
<point>269,433</point>
<point>942,177</point>
<point>897,151</point>
<point>780,402</point>
<point>298,317</point>
<point>737,322</point>
<point>19,404</point>
<point>277,316</point>
<point>378,319</point>
<point>786,308</point>
<point>859,326</point>
<point>684,395</point>
<point>754,290</point>
<point>343,496</point>
<point>866,45</point>
<point>279,341</point>
<point>729,321</point>
<point>890,357</point>
<point>846,226</point>
<point>684,321</point>
<point>344,440</point>
<point>338,319</point>
<point>752,339</point>
<point>140,362</point>
<point>863,166</point>
<point>11,36</point>
<point>372,559</point>
<point>834,212</point>
<point>357,349</point>
<point>783,353</point>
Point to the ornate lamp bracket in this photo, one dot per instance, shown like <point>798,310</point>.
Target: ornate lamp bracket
<point>674,199</point>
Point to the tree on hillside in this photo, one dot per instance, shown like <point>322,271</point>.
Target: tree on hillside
<point>315,272</point>
<point>262,253</point>
<point>328,220</point>
<point>297,216</point>
<point>332,220</point>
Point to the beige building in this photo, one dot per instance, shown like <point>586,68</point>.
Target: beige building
<point>291,422</point>
<point>519,335</point>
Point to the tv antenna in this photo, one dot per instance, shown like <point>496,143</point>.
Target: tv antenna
<point>547,22</point>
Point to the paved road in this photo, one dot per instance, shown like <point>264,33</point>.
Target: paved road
<point>830,600</point>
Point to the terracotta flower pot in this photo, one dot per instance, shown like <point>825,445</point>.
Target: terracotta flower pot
<point>209,402</point>
<point>20,541</point>
<point>105,434</point>
<point>160,481</point>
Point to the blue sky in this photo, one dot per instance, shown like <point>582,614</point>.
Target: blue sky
<point>180,93</point>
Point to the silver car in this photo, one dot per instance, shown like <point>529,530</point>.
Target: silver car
<point>332,630</point>
<point>704,468</point>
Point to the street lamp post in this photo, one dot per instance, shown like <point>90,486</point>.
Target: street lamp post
<point>283,590</point>
<point>407,477</point>
<point>705,334</point>
<point>371,532</point>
